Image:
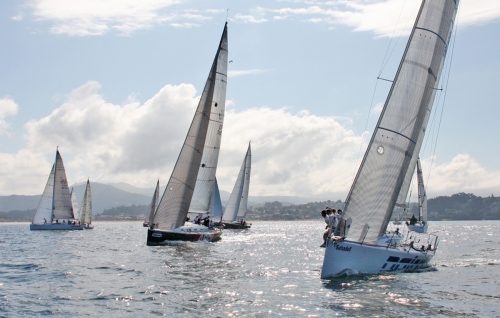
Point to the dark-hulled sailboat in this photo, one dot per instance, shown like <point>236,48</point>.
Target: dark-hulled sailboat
<point>169,222</point>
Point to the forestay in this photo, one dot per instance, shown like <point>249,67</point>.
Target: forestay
<point>394,142</point>
<point>174,204</point>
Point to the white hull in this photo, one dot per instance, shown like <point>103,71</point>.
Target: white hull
<point>55,227</point>
<point>353,258</point>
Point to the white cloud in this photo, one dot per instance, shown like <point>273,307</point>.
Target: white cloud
<point>462,174</point>
<point>8,107</point>
<point>238,73</point>
<point>96,17</point>
<point>136,142</point>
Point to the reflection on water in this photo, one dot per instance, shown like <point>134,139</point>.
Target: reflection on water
<point>272,269</point>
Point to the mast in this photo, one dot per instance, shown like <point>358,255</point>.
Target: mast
<point>396,138</point>
<point>174,204</point>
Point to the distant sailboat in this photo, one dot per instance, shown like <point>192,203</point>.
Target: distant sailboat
<point>393,148</point>
<point>74,202</point>
<point>55,209</point>
<point>86,211</point>
<point>420,225</point>
<point>236,209</point>
<point>170,216</point>
<point>148,219</point>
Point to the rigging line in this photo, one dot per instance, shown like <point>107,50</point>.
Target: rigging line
<point>444,101</point>
<point>389,50</point>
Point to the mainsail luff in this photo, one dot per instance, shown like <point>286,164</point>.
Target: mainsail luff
<point>62,207</point>
<point>422,196</point>
<point>174,204</point>
<point>243,207</point>
<point>43,212</point>
<point>154,204</point>
<point>205,180</point>
<point>378,182</point>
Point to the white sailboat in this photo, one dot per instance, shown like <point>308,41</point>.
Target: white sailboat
<point>194,162</point>
<point>55,210</point>
<point>393,148</point>
<point>236,209</point>
<point>74,202</point>
<point>148,219</point>
<point>419,225</point>
<point>86,211</point>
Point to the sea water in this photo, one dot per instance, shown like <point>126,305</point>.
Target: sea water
<point>270,270</point>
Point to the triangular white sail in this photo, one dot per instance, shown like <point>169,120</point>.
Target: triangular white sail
<point>63,209</point>
<point>174,204</point>
<point>200,202</point>
<point>243,208</point>
<point>149,219</point>
<point>402,123</point>
<point>422,196</point>
<point>239,196</point>
<point>43,213</point>
<point>86,211</point>
<point>74,202</point>
<point>215,209</point>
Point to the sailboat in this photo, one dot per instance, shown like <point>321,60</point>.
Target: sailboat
<point>392,150</point>
<point>148,219</point>
<point>86,211</point>
<point>169,222</point>
<point>236,209</point>
<point>419,225</point>
<point>55,210</point>
<point>74,203</point>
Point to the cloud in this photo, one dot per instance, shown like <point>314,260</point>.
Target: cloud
<point>384,18</point>
<point>238,73</point>
<point>95,17</point>
<point>294,153</point>
<point>8,107</point>
<point>462,174</point>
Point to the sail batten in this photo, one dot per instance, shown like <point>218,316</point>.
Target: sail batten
<point>194,161</point>
<point>382,178</point>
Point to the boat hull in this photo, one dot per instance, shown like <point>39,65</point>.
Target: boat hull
<point>352,258</point>
<point>236,225</point>
<point>157,237</point>
<point>55,227</point>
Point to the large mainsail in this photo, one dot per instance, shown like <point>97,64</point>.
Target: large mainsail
<point>174,204</point>
<point>86,211</point>
<point>43,213</point>
<point>205,180</point>
<point>62,207</point>
<point>422,196</point>
<point>404,118</point>
<point>239,196</point>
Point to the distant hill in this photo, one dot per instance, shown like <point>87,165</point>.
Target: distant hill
<point>103,197</point>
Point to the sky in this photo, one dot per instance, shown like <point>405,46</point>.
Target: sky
<point>114,85</point>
